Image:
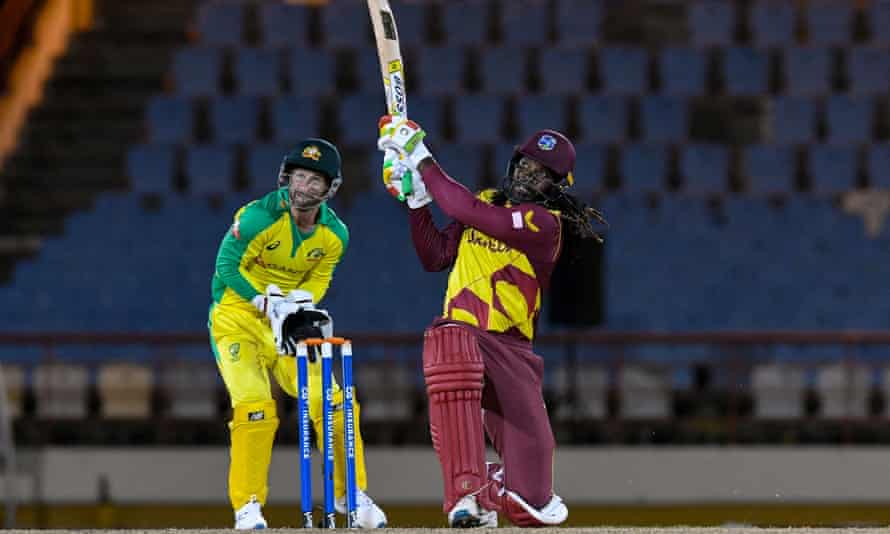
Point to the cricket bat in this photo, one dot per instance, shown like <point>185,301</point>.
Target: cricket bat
<point>392,68</point>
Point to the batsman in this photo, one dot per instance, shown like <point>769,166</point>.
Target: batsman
<point>274,265</point>
<point>481,372</point>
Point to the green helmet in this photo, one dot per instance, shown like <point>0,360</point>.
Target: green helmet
<point>317,155</point>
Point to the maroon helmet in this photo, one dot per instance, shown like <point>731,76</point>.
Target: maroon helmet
<point>556,153</point>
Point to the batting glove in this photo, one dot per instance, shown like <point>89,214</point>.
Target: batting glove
<point>403,148</point>
<point>396,169</point>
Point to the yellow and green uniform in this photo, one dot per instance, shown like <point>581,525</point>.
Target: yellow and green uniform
<point>264,246</point>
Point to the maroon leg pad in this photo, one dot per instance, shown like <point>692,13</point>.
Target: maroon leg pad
<point>453,370</point>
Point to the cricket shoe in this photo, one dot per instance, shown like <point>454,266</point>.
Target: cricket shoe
<point>467,513</point>
<point>367,513</point>
<point>249,516</point>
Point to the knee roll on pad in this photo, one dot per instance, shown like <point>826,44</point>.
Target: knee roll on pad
<point>453,371</point>
<point>522,514</point>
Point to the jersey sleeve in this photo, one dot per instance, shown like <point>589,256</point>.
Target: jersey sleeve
<point>318,280</point>
<point>435,248</point>
<point>241,244</point>
<point>530,228</point>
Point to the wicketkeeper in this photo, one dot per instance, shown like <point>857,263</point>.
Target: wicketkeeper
<point>478,362</point>
<point>274,265</point>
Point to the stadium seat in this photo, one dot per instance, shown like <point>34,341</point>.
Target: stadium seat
<point>367,71</point>
<point>387,391</point>
<point>481,118</point>
<point>170,119</point>
<point>643,168</point>
<point>197,71</point>
<point>868,70</point>
<point>125,390</point>
<point>295,118</point>
<point>623,70</point>
<point>578,22</point>
<point>746,71</point>
<point>311,72</point>
<point>843,390</point>
<point>878,17</point>
<point>664,119</point>
<point>829,22</point>
<point>221,23</point>
<point>190,389</point>
<point>769,168</point>
<point>602,118</point>
<point>778,391</point>
<point>525,23</point>
<point>712,22</point>
<point>682,71</point>
<point>284,24</point>
<point>465,22</point>
<point>590,380</point>
<point>60,390</point>
<point>345,24</point>
<point>428,111</point>
<point>412,23</point>
<point>590,170</point>
<point>878,164</point>
<point>793,119</point>
<point>463,162</point>
<point>440,70</point>
<point>645,393</point>
<point>258,71</point>
<point>151,168</point>
<point>234,119</point>
<point>807,70</point>
<point>503,70</point>
<point>563,70</point>
<point>210,169</point>
<point>263,164</point>
<point>14,380</point>
<point>705,168</point>
<point>832,168</point>
<point>849,119</point>
<point>536,112</point>
<point>357,119</point>
<point>772,23</point>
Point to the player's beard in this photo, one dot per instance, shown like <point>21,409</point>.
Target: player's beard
<point>303,201</point>
<point>519,190</point>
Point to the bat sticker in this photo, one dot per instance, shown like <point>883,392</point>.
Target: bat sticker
<point>389,27</point>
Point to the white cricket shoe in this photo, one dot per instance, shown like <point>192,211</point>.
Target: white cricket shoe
<point>467,513</point>
<point>249,516</point>
<point>368,514</point>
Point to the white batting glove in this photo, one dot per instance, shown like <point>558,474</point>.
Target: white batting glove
<point>396,169</point>
<point>405,137</point>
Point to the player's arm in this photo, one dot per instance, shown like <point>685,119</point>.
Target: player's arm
<point>435,248</point>
<point>527,227</point>
<point>241,245</point>
<point>318,280</point>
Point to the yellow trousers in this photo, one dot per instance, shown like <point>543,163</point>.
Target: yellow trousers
<point>245,354</point>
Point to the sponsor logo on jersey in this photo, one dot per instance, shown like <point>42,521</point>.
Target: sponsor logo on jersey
<point>273,245</point>
<point>315,254</point>
<point>312,152</point>
<point>479,239</point>
<point>547,142</point>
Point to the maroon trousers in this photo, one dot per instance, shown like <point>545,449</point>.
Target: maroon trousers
<point>513,412</point>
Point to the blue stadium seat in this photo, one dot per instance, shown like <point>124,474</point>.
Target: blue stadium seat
<point>832,168</point>
<point>411,18</point>
<point>197,71</point>
<point>525,22</point>
<point>540,111</point>
<point>440,69</point>
<point>151,168</point>
<point>481,118</point>
<point>807,70</point>
<point>263,163</point>
<point>465,22</point>
<point>357,119</point>
<point>429,112</point>
<point>829,22</point>
<point>664,119</point>
<point>643,168</point>
<point>623,70</point>
<point>170,119</point>
<point>849,119</point>
<point>284,24</point>
<point>463,162</point>
<point>345,24</point>
<point>746,71</point>
<point>311,71</point>
<point>868,69</point>
<point>769,168</point>
<point>878,165</point>
<point>368,75</point>
<point>682,71</point>
<point>563,70</point>
<point>578,22</point>
<point>234,119</point>
<point>705,168</point>
<point>602,118</point>
<point>772,23</point>
<point>221,23</point>
<point>712,22</point>
<point>590,170</point>
<point>793,119</point>
<point>878,16</point>
<point>210,169</point>
<point>295,118</point>
<point>258,71</point>
<point>503,69</point>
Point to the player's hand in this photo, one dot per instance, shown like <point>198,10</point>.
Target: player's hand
<point>266,302</point>
<point>405,137</point>
<point>400,165</point>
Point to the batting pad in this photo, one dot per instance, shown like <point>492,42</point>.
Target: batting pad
<point>253,429</point>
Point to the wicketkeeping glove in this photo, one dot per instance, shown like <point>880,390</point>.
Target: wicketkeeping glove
<point>305,324</point>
